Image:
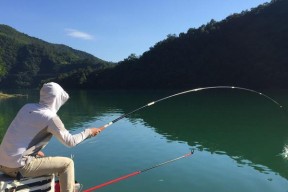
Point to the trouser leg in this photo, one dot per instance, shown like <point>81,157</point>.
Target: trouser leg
<point>62,167</point>
<point>12,172</point>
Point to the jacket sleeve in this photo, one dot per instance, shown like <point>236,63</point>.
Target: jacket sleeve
<point>57,128</point>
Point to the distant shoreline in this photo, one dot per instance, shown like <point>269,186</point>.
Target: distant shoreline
<point>7,96</point>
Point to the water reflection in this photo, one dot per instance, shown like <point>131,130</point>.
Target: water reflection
<point>249,129</point>
<point>245,127</point>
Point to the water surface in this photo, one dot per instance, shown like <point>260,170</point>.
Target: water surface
<point>238,138</point>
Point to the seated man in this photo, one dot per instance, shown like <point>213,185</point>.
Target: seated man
<point>31,130</point>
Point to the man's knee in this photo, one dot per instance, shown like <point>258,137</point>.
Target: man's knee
<point>68,162</point>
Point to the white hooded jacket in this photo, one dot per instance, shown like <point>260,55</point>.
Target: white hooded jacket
<point>33,127</point>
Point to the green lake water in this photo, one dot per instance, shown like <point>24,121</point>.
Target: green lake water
<point>237,137</point>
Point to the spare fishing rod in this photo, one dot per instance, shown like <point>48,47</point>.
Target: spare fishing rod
<point>136,173</point>
<point>185,92</point>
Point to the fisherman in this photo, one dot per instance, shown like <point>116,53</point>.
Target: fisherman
<point>30,132</point>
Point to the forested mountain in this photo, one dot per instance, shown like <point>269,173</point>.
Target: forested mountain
<point>26,61</point>
<point>248,49</point>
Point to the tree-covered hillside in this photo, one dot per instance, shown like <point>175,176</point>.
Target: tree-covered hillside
<point>26,61</point>
<point>248,49</point>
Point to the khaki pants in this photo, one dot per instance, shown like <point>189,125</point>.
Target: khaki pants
<point>12,172</point>
<point>62,167</point>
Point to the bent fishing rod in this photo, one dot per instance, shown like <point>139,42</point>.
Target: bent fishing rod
<point>185,92</point>
<point>136,173</point>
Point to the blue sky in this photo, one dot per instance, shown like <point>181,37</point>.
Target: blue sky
<point>113,29</point>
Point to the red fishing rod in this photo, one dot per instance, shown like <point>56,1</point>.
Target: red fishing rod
<point>136,173</point>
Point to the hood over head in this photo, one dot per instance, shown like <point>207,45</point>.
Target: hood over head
<point>53,96</point>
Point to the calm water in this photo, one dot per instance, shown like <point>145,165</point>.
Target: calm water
<point>238,138</point>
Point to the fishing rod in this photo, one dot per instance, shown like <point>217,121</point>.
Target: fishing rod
<point>154,102</point>
<point>136,173</point>
<point>184,92</point>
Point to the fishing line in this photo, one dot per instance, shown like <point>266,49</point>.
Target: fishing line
<point>136,173</point>
<point>154,102</point>
<point>185,92</point>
